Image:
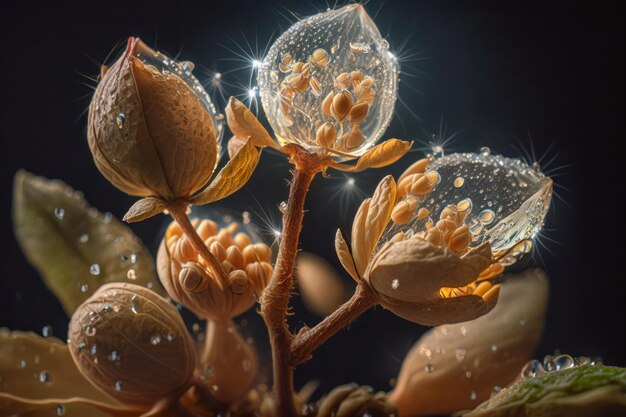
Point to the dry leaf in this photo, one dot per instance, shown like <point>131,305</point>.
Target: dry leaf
<point>321,287</point>
<point>144,209</point>
<point>232,177</point>
<point>25,360</point>
<point>75,248</point>
<point>358,237</point>
<point>467,360</point>
<point>244,124</point>
<point>379,212</point>
<point>379,156</point>
<point>345,257</point>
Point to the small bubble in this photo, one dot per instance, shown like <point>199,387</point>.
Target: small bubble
<point>114,356</point>
<point>22,364</point>
<point>105,308</point>
<point>464,331</point>
<point>155,339</point>
<point>472,396</point>
<point>429,368</point>
<point>59,213</point>
<point>94,269</point>
<point>494,348</point>
<point>133,258</point>
<point>169,337</point>
<point>81,347</point>
<point>468,374</point>
<point>45,376</point>
<point>246,365</point>
<point>496,389</point>
<point>245,217</point>
<point>131,274</point>
<point>83,287</point>
<point>282,207</point>
<point>118,385</point>
<point>46,331</point>
<point>485,151</point>
<point>94,350</point>
<point>133,304</point>
<point>395,284</point>
<point>89,330</point>
<point>195,327</point>
<point>120,120</point>
<point>60,410</point>
<point>459,181</point>
<point>215,388</point>
<point>84,238</point>
<point>486,216</point>
<point>460,354</point>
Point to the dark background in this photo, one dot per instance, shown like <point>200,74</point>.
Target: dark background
<point>498,74</point>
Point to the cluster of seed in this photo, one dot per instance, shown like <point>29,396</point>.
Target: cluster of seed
<point>242,261</point>
<point>349,102</point>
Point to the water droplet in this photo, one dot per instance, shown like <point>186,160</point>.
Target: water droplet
<point>155,339</point>
<point>460,354</point>
<point>114,356</point>
<point>563,362</point>
<point>468,374</point>
<point>118,385</point>
<point>60,410</point>
<point>133,304</point>
<point>464,331</point>
<point>94,349</point>
<point>133,258</point>
<point>536,167</point>
<point>282,207</point>
<point>215,388</point>
<point>395,284</point>
<point>429,368</point>
<point>83,287</point>
<point>486,216</point>
<point>94,269</point>
<point>246,365</point>
<point>90,331</point>
<point>22,364</point>
<point>169,337</point>
<point>246,217</point>
<point>46,331</point>
<point>59,213</point>
<point>459,181</point>
<point>120,120</point>
<point>45,376</point>
<point>532,369</point>
<point>81,347</point>
<point>187,65</point>
<point>195,327</point>
<point>494,348</point>
<point>131,274</point>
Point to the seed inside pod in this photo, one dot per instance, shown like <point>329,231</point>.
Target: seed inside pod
<point>341,105</point>
<point>326,135</point>
<point>359,112</point>
<point>320,57</point>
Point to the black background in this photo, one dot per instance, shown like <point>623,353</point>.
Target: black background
<point>498,74</point>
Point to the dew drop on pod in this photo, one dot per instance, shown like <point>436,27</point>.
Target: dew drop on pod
<point>132,344</point>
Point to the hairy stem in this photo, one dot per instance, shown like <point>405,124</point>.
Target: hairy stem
<point>178,213</point>
<point>275,298</point>
<point>307,341</point>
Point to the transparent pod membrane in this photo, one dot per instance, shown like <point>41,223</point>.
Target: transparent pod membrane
<point>329,83</point>
<point>492,198</point>
<point>161,65</point>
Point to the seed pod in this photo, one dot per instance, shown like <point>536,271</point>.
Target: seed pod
<point>327,103</point>
<point>343,80</point>
<point>326,135</point>
<point>193,283</point>
<point>418,167</point>
<point>403,211</point>
<point>132,344</point>
<point>353,139</point>
<point>358,112</point>
<point>460,239</point>
<point>341,105</point>
<point>152,133</point>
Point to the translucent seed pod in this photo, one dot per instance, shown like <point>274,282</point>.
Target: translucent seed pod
<point>344,52</point>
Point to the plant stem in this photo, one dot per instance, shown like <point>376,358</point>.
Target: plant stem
<point>178,213</point>
<point>275,298</point>
<point>307,341</point>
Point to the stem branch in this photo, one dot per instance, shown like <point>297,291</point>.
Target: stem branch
<point>307,341</point>
<point>178,213</point>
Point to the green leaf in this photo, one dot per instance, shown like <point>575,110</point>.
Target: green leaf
<point>75,248</point>
<point>587,390</point>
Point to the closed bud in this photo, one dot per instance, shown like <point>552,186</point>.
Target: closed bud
<point>132,344</point>
<point>152,129</point>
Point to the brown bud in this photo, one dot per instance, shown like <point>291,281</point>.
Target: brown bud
<point>403,211</point>
<point>327,103</point>
<point>358,112</point>
<point>353,139</point>
<point>151,132</point>
<point>132,344</point>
